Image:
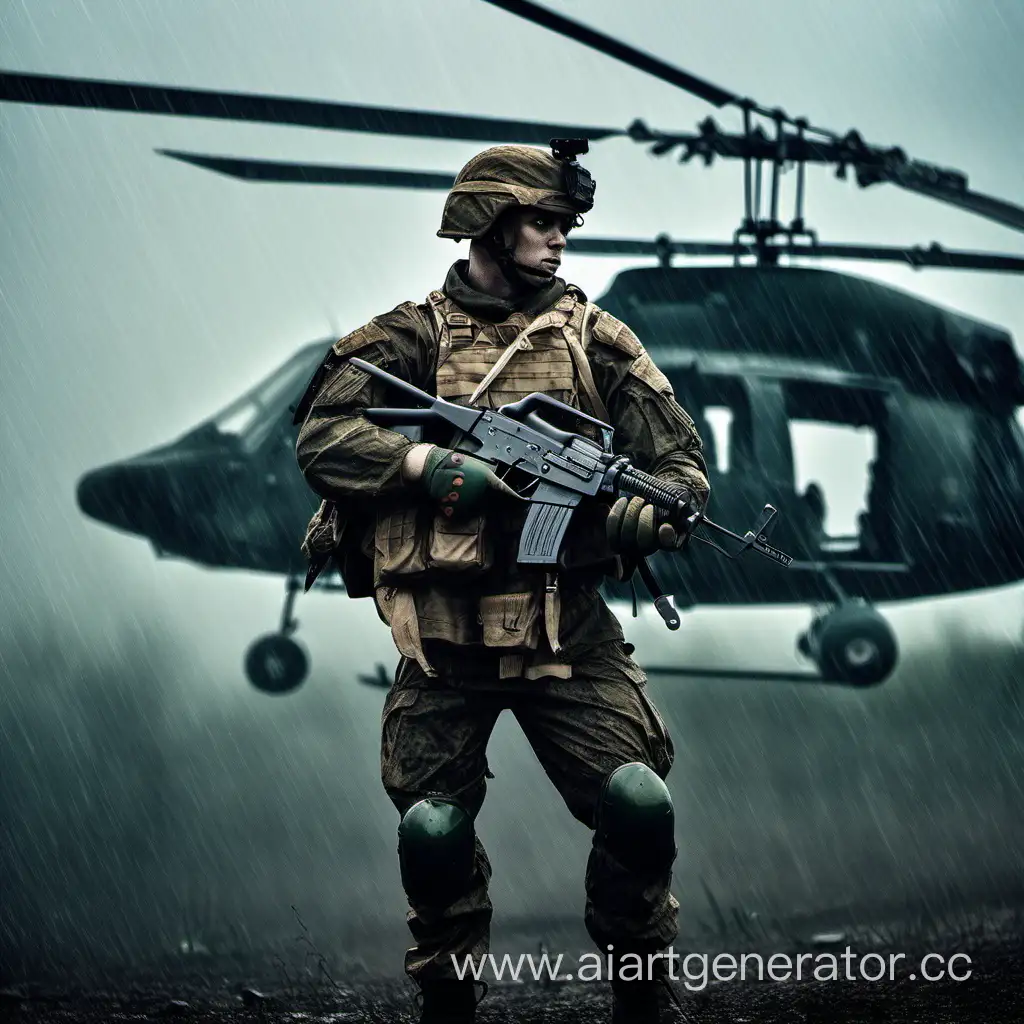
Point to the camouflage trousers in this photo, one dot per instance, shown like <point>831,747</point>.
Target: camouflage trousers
<point>434,738</point>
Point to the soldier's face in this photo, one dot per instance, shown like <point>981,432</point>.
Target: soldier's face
<point>540,240</point>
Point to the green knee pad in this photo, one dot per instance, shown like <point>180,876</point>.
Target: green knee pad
<point>436,851</point>
<point>635,818</point>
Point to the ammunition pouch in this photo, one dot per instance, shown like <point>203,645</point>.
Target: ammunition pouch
<point>510,620</point>
<point>459,546</point>
<point>415,544</point>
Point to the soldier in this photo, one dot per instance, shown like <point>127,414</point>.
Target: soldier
<point>431,533</point>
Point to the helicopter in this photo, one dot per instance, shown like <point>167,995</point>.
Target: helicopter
<point>751,349</point>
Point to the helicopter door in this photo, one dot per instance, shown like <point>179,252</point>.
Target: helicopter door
<point>742,421</point>
<point>933,470</point>
<point>765,453</point>
<point>746,444</point>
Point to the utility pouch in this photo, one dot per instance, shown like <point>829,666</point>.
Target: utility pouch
<point>510,620</point>
<point>459,545</point>
<point>399,547</point>
<point>321,532</point>
<point>396,606</point>
<point>330,535</point>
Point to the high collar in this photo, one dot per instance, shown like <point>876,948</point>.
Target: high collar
<point>491,308</point>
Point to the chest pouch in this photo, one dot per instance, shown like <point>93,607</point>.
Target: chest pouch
<point>459,545</point>
<point>399,546</point>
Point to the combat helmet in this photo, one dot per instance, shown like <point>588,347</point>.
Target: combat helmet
<point>503,177</point>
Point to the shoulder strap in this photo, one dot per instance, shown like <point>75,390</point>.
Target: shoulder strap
<point>450,324</point>
<point>437,302</point>
<point>578,352</point>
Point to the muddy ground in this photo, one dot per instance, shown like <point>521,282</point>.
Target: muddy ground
<point>302,982</point>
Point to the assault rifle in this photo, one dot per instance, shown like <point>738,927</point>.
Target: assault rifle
<point>566,467</point>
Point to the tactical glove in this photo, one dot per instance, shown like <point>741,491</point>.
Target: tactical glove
<point>455,480</point>
<point>636,528</point>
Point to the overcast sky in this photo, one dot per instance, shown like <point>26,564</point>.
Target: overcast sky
<point>140,295</point>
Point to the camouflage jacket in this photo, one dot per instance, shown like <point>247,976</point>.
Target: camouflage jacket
<point>347,459</point>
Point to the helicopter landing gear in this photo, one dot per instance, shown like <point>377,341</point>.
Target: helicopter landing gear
<point>852,643</point>
<point>275,663</point>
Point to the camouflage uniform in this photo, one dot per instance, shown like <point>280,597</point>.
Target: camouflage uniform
<point>475,643</point>
<point>434,738</point>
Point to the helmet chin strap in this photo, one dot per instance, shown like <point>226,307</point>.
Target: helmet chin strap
<point>520,274</point>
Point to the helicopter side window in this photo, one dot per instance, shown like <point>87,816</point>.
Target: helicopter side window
<point>715,432</point>
<point>841,465</point>
<point>1000,460</point>
<point>722,418</point>
<point>833,466</point>
<point>238,418</point>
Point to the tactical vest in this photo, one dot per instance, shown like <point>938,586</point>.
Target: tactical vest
<point>480,363</point>
<point>483,365</point>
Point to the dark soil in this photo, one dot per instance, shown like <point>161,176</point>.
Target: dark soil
<point>267,987</point>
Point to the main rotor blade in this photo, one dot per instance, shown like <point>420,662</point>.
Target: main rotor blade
<point>916,256</point>
<point>142,98</point>
<point>283,172</point>
<point>872,165</point>
<point>997,210</point>
<point>619,50</point>
<point>587,246</point>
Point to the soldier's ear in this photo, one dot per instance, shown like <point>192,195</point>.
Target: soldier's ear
<point>509,226</point>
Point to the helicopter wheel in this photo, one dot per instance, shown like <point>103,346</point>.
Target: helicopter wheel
<point>276,664</point>
<point>853,644</point>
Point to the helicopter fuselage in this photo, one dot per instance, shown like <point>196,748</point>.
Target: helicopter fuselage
<point>760,352</point>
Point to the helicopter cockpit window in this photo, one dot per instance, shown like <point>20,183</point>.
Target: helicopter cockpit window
<point>253,416</point>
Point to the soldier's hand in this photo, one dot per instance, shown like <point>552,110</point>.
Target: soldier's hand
<point>455,480</point>
<point>635,527</point>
